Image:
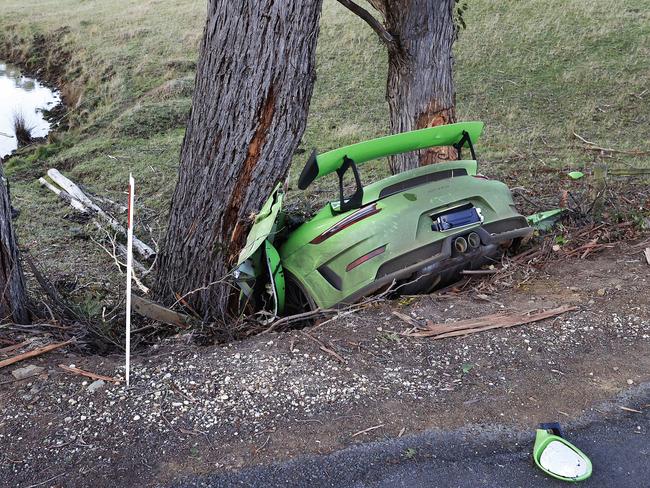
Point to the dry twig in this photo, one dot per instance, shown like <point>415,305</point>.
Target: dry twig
<point>367,430</point>
<point>594,147</point>
<point>35,352</point>
<point>88,374</point>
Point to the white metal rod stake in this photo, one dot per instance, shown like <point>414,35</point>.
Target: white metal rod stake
<point>129,267</point>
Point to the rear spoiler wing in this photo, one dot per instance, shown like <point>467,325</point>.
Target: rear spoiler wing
<point>461,134</point>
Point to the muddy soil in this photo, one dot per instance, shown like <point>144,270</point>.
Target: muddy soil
<point>200,410</point>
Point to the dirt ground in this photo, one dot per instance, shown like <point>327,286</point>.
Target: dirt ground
<point>195,410</point>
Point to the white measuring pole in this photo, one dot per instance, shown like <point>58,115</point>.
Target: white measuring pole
<point>129,268</point>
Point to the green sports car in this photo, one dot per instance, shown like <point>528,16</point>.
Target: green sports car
<point>415,230</point>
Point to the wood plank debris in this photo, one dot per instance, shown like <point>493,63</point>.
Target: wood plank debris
<point>157,312</point>
<point>487,322</point>
<point>30,354</point>
<point>88,374</point>
<point>646,253</point>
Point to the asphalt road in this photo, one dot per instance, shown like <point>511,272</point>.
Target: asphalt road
<point>618,444</point>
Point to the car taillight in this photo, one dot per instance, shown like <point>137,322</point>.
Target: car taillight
<point>365,257</point>
<point>357,216</point>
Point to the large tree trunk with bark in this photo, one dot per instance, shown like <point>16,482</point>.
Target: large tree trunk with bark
<point>419,35</point>
<point>254,82</point>
<point>13,302</point>
<point>420,86</point>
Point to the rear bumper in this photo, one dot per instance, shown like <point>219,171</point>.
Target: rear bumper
<point>444,260</point>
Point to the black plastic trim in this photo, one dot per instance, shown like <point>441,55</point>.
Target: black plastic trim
<point>309,172</point>
<point>410,258</point>
<point>331,277</point>
<point>506,225</point>
<point>356,199</point>
<point>465,139</point>
<point>421,180</point>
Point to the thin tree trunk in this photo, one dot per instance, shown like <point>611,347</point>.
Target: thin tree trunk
<point>420,87</point>
<point>419,35</point>
<point>13,302</point>
<point>254,81</point>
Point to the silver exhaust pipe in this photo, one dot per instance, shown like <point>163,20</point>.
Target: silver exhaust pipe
<point>460,244</point>
<point>474,240</point>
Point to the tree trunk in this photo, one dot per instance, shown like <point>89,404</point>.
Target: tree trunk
<point>419,35</point>
<point>254,81</point>
<point>420,87</point>
<point>13,303</point>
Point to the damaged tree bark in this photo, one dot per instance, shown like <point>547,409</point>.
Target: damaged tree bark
<point>419,35</point>
<point>254,81</point>
<point>13,302</point>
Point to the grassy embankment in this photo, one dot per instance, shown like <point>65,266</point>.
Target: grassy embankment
<point>535,71</point>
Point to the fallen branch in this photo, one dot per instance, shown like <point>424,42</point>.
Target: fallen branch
<point>588,248</point>
<point>65,196</point>
<point>117,247</point>
<point>101,200</point>
<point>8,349</point>
<point>88,374</point>
<point>528,256</point>
<point>75,192</point>
<point>336,312</point>
<point>30,354</point>
<point>487,322</point>
<point>594,147</point>
<point>646,253</point>
<point>324,348</point>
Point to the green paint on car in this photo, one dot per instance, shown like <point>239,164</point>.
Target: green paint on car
<point>406,230</point>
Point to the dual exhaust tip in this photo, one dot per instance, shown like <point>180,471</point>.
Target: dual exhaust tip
<point>472,242</point>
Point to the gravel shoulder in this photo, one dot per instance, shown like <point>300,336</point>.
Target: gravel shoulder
<point>616,441</point>
<point>195,411</point>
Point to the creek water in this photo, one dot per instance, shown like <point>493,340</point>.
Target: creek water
<point>24,96</point>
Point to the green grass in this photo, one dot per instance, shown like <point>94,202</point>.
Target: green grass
<point>534,70</point>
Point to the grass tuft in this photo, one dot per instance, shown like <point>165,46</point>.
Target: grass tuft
<point>72,94</point>
<point>22,130</point>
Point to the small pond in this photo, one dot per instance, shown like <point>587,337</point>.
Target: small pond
<point>21,95</point>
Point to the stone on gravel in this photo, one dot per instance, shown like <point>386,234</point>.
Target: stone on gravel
<point>26,372</point>
<point>95,386</point>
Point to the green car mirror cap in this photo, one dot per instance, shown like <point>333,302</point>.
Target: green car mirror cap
<point>558,458</point>
<point>575,175</point>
